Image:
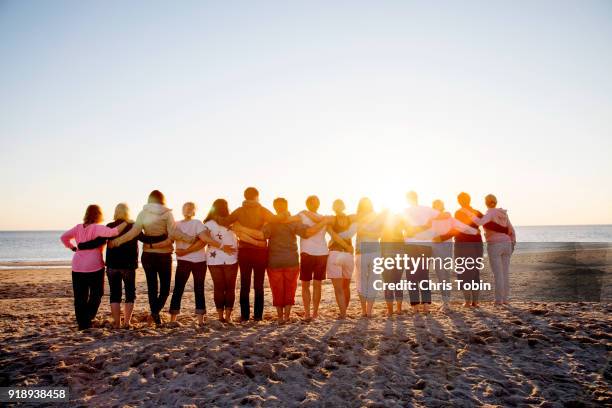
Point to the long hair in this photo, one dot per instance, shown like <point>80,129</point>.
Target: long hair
<point>157,197</point>
<point>364,207</point>
<point>218,209</point>
<point>122,212</point>
<point>93,215</point>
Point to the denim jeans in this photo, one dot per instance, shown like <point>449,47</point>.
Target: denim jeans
<point>224,282</point>
<point>421,273</point>
<point>183,270</point>
<point>253,263</point>
<point>157,266</point>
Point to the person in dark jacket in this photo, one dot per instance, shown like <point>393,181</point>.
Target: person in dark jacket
<point>252,259</point>
<point>121,264</point>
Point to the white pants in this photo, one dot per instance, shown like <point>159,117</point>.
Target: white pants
<point>499,259</point>
<point>340,265</point>
<point>364,275</point>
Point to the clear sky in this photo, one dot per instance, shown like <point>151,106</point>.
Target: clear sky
<point>100,102</point>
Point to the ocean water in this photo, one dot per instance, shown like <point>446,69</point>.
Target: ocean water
<point>45,246</point>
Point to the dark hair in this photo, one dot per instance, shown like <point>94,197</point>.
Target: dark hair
<point>251,193</point>
<point>157,197</point>
<point>280,202</point>
<point>93,214</point>
<point>218,209</point>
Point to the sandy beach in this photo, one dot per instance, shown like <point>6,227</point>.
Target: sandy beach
<point>531,353</point>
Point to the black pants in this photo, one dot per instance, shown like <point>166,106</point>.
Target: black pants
<point>157,265</point>
<point>252,262</point>
<point>418,295</point>
<point>115,278</point>
<point>393,275</point>
<point>183,270</point>
<point>224,281</point>
<point>471,250</point>
<point>88,288</point>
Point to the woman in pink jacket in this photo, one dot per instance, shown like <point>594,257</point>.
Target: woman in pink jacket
<point>88,265</point>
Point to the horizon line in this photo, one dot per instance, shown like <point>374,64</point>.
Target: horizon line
<point>539,225</point>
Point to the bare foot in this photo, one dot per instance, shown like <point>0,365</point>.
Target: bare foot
<point>474,304</point>
<point>467,304</point>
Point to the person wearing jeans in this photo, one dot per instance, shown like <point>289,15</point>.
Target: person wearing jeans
<point>121,264</point>
<point>183,270</point>
<point>283,259</point>
<point>155,219</point>
<point>188,263</point>
<point>392,244</point>
<point>88,265</point>
<point>223,266</point>
<point>499,246</point>
<point>442,227</point>
<point>252,258</point>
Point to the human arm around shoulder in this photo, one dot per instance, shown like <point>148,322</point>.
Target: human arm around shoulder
<point>253,233</point>
<point>230,219</point>
<point>92,244</point>
<point>206,237</point>
<point>307,232</point>
<point>340,241</point>
<point>128,236</point>
<point>196,246</point>
<point>175,232</point>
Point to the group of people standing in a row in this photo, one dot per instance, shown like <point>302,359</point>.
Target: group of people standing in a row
<point>254,240</point>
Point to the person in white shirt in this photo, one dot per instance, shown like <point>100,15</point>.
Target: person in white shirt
<point>313,258</point>
<point>223,266</point>
<point>341,263</point>
<point>193,262</point>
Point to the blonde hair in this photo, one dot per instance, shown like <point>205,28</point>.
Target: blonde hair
<point>490,201</point>
<point>438,205</point>
<point>189,206</point>
<point>122,212</point>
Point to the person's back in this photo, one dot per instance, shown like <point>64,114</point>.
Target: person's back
<point>282,244</point>
<point>499,216</point>
<point>251,215</point>
<point>156,219</point>
<point>315,245</point>
<point>465,219</point>
<point>126,255</point>
<point>191,227</point>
